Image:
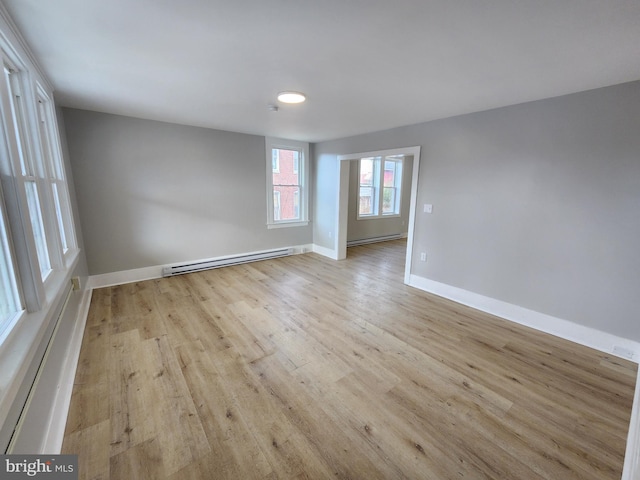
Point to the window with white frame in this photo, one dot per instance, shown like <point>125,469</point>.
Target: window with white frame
<point>37,237</point>
<point>379,186</point>
<point>287,185</point>
<point>55,171</point>
<point>31,175</point>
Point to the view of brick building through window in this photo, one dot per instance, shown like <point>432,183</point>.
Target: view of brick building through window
<point>286,184</point>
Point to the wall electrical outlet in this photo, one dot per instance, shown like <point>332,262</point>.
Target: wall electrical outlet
<point>428,208</point>
<point>423,257</point>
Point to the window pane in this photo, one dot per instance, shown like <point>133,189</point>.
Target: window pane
<point>276,205</point>
<point>365,205</point>
<point>17,112</point>
<point>369,185</point>
<point>389,200</point>
<point>288,203</point>
<point>366,171</point>
<point>287,172</point>
<point>54,166</point>
<point>56,198</point>
<point>296,161</point>
<point>389,173</point>
<point>38,228</point>
<point>9,302</point>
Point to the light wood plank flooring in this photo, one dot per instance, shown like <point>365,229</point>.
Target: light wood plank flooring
<point>303,367</point>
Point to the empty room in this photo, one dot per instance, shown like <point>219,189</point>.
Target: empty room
<point>286,240</point>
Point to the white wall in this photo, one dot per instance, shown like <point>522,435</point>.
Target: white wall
<point>153,193</point>
<point>535,204</point>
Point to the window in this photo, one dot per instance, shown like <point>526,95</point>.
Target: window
<point>380,186</point>
<point>55,172</point>
<point>37,239</point>
<point>28,167</point>
<point>287,193</point>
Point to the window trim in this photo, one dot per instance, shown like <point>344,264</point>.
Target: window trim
<point>303,174</point>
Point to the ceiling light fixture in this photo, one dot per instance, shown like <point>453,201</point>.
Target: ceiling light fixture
<point>291,97</point>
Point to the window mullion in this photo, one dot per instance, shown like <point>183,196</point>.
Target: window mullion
<point>380,185</point>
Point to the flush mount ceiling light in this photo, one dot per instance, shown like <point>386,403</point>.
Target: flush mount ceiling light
<point>291,97</point>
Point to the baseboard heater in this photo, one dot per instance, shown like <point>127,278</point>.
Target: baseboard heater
<point>40,360</point>
<point>225,262</point>
<point>385,238</point>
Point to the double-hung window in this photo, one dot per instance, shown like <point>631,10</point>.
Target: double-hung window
<point>55,172</point>
<point>380,186</point>
<point>287,183</point>
<point>37,237</point>
<point>29,176</point>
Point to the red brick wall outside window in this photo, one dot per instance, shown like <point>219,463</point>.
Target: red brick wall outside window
<point>286,184</point>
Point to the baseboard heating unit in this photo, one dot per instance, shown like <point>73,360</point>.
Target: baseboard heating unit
<point>364,241</point>
<point>225,261</point>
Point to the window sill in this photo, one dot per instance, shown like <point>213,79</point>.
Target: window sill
<point>287,224</point>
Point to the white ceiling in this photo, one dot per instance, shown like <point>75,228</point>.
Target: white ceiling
<point>365,65</point>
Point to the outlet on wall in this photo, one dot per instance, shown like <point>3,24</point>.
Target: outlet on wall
<point>423,257</point>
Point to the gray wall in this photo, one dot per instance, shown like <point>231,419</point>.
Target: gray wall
<point>152,193</point>
<point>536,204</point>
<point>378,227</point>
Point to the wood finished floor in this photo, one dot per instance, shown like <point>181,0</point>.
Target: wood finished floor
<point>303,367</point>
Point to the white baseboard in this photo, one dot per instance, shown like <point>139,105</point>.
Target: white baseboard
<point>590,337</point>
<point>155,271</point>
<point>125,276</point>
<point>54,434</point>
